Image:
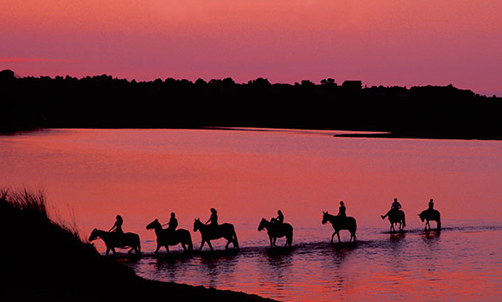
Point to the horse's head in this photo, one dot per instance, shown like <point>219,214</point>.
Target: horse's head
<point>94,235</point>
<point>262,225</point>
<point>422,216</point>
<point>154,224</point>
<point>196,225</point>
<point>325,216</point>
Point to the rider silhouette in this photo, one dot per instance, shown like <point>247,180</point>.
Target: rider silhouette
<point>117,227</point>
<point>214,218</point>
<point>431,205</point>
<point>341,210</point>
<point>279,219</point>
<point>394,207</point>
<point>173,223</point>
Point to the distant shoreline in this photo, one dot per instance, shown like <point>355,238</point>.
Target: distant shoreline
<point>436,112</point>
<point>391,135</point>
<point>356,133</point>
<point>349,134</point>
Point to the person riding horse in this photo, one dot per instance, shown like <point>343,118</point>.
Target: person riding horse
<point>279,220</point>
<point>172,224</point>
<point>342,210</point>
<point>394,207</point>
<point>431,214</point>
<point>117,227</point>
<point>213,219</point>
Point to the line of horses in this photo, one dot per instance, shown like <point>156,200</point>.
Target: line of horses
<point>166,238</point>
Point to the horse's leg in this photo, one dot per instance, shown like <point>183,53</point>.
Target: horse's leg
<point>271,242</point>
<point>333,236</point>
<point>201,245</point>
<point>157,250</point>
<point>236,243</point>
<point>107,251</point>
<point>338,234</point>
<point>210,246</point>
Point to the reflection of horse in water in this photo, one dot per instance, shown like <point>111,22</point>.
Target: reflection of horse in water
<point>340,223</point>
<point>168,237</point>
<point>275,230</point>
<point>210,232</point>
<point>395,217</point>
<point>428,215</point>
<point>113,240</point>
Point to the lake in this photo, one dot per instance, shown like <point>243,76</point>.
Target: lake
<point>91,175</point>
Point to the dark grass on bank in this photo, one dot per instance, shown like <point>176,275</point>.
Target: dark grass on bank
<point>44,259</point>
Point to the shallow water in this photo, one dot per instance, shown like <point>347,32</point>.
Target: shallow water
<point>458,264</point>
<point>89,176</point>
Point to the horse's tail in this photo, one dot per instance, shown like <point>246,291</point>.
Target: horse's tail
<point>236,243</point>
<point>139,245</point>
<point>190,245</point>
<point>439,221</point>
<point>355,229</point>
<point>290,238</point>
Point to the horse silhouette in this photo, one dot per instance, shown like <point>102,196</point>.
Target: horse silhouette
<point>115,240</point>
<point>276,230</point>
<point>340,223</point>
<point>168,237</point>
<point>395,217</point>
<point>428,215</point>
<point>210,232</point>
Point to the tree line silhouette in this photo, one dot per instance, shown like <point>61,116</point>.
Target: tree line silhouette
<point>107,102</point>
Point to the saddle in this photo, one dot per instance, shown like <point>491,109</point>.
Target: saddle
<point>119,238</point>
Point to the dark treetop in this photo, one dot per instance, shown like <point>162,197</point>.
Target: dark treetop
<point>107,102</point>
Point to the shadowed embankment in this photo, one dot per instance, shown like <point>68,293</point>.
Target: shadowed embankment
<point>44,259</point>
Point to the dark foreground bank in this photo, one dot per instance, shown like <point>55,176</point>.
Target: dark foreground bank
<point>44,259</point>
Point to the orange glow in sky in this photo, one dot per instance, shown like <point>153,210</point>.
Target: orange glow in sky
<point>388,42</point>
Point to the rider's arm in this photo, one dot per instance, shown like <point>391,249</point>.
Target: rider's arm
<point>114,226</point>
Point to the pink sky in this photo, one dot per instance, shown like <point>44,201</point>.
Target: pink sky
<point>381,42</point>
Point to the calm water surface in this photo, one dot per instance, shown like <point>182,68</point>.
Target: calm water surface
<point>90,176</point>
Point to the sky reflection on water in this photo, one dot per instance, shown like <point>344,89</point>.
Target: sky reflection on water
<point>246,175</point>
